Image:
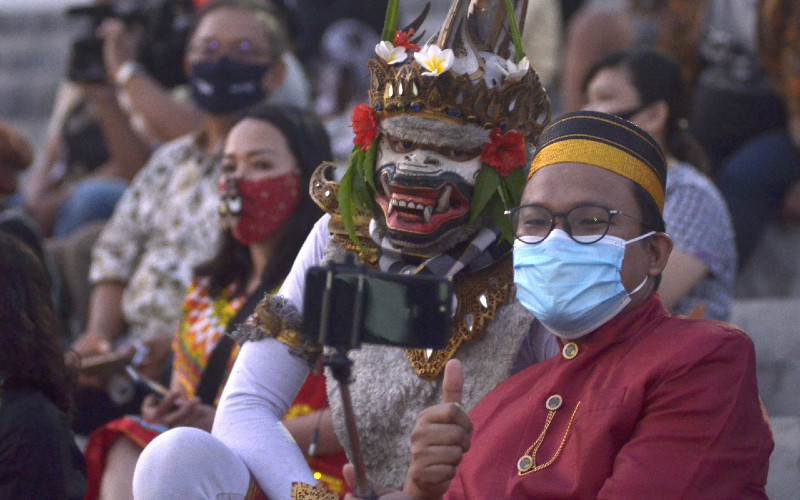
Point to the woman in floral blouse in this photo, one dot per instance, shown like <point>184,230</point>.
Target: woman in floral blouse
<point>266,214</point>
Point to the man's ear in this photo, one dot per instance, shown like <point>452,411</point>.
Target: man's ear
<point>273,79</point>
<point>659,248</point>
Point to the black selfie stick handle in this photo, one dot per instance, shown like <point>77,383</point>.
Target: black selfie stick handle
<point>340,366</point>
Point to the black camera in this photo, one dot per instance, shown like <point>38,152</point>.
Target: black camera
<point>85,63</point>
<point>346,305</point>
<point>166,27</point>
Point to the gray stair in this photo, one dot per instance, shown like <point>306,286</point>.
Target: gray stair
<point>33,49</point>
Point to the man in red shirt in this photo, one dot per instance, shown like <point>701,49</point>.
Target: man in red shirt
<point>639,403</point>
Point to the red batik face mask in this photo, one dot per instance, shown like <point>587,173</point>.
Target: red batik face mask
<point>265,205</point>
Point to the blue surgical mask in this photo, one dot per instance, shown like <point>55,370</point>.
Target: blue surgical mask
<point>572,289</point>
<point>225,86</point>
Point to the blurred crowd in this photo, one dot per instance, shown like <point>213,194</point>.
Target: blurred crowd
<point>175,117</point>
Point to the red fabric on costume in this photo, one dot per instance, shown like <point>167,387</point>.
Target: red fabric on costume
<point>312,397</point>
<point>669,409</point>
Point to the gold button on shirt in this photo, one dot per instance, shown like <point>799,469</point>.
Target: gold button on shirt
<point>570,350</point>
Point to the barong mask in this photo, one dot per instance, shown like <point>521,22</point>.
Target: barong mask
<point>440,149</point>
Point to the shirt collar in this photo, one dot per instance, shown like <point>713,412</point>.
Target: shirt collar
<point>624,325</point>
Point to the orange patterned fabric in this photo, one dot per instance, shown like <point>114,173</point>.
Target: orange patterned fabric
<point>202,325</point>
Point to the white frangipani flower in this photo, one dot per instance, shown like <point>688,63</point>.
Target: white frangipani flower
<point>434,59</point>
<point>389,53</point>
<point>515,72</point>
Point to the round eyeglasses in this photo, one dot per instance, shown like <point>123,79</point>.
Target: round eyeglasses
<point>585,224</point>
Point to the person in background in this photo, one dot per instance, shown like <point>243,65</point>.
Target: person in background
<point>16,155</point>
<point>266,215</point>
<point>646,87</point>
<point>38,454</point>
<point>164,113</point>
<point>741,118</point>
<point>167,221</point>
<point>91,152</point>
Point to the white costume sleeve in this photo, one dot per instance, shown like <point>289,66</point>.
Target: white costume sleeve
<point>310,254</point>
<point>263,383</point>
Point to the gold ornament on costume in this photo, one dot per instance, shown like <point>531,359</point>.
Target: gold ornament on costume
<point>480,295</point>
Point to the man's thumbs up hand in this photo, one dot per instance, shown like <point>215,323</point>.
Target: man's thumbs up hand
<point>439,440</point>
<point>453,384</point>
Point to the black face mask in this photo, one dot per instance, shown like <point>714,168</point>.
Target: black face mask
<point>225,86</point>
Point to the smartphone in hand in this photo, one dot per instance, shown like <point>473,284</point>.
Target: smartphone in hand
<point>146,383</point>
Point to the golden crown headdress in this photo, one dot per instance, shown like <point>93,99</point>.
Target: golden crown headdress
<point>472,72</point>
<point>486,83</point>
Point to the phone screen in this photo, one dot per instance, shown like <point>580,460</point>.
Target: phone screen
<point>399,310</point>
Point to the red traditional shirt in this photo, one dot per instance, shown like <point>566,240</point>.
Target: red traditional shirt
<point>649,406</point>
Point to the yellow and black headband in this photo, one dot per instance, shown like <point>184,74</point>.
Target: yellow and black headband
<point>606,141</point>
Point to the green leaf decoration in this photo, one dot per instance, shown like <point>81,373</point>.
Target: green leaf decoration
<point>498,219</point>
<point>390,22</point>
<point>345,198</point>
<point>515,35</point>
<point>485,188</point>
<point>516,184</point>
<point>368,164</point>
<point>359,189</point>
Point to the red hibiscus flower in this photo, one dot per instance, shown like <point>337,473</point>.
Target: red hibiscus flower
<point>505,152</point>
<point>401,39</point>
<point>365,125</point>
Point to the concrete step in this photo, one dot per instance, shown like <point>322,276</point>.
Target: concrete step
<point>774,326</point>
<point>783,481</point>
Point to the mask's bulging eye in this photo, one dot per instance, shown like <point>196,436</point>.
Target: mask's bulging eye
<point>459,154</point>
<point>402,146</point>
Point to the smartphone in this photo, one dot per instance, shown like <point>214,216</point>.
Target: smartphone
<point>104,365</point>
<point>346,305</point>
<point>146,383</point>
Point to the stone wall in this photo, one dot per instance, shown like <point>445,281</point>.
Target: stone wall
<point>33,49</point>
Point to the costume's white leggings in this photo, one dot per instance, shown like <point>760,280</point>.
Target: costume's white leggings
<point>188,464</point>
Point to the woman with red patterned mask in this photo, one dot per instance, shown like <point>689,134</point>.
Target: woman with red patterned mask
<point>265,214</point>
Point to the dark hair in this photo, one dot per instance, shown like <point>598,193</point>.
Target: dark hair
<point>29,352</point>
<point>15,151</point>
<point>310,146</point>
<point>265,12</point>
<point>657,77</point>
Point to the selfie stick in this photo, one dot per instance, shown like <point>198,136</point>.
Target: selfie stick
<point>340,366</point>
